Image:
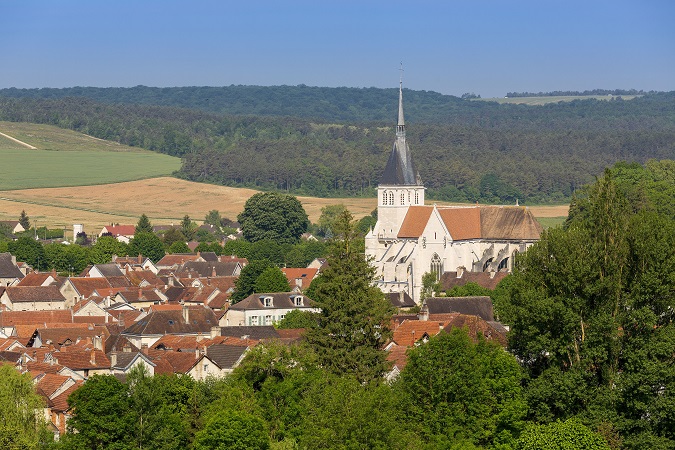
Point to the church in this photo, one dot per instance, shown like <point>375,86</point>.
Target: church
<point>411,238</point>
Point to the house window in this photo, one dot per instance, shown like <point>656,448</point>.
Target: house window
<point>267,301</point>
<point>436,266</point>
<point>268,320</point>
<point>298,300</point>
<point>254,320</point>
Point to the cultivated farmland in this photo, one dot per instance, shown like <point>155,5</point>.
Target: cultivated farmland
<point>66,158</point>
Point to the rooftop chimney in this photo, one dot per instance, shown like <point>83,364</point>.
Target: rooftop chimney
<point>113,359</point>
<point>460,271</point>
<point>186,313</point>
<point>92,357</point>
<point>144,349</point>
<point>216,332</point>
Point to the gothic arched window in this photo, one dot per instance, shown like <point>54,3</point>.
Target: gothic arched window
<point>436,266</point>
<point>391,198</point>
<point>417,198</point>
<point>402,198</point>
<point>384,197</point>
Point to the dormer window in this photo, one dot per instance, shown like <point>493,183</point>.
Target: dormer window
<point>297,300</point>
<point>267,302</point>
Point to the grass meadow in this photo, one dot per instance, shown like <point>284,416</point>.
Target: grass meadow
<point>67,158</point>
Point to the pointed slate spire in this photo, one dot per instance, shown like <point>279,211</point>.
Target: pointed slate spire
<point>400,168</point>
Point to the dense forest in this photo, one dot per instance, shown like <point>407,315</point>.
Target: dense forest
<point>335,141</point>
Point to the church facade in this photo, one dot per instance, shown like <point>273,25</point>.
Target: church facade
<point>411,238</point>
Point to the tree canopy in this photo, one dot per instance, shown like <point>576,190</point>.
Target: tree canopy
<point>274,216</point>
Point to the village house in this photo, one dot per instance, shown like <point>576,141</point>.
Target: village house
<point>32,298</point>
<point>123,233</point>
<point>10,274</point>
<point>266,309</point>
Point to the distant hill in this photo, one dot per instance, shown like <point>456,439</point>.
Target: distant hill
<point>334,142</point>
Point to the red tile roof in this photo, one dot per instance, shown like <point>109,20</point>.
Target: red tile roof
<point>411,331</point>
<point>9,318</point>
<point>415,221</point>
<point>120,230</point>
<point>462,222</point>
<point>19,294</point>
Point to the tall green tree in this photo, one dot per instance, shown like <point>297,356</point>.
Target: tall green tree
<point>144,225</point>
<point>188,228</point>
<point>233,430</point>
<point>213,218</point>
<point>245,284</point>
<point>568,435</point>
<point>584,303</point>
<point>461,391</point>
<point>272,279</point>
<point>30,251</point>
<point>148,245</point>
<point>104,249</point>
<point>275,216</point>
<point>24,220</point>
<point>21,410</point>
<point>329,215</point>
<point>354,319</point>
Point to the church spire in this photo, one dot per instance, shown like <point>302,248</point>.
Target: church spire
<point>400,169</point>
<point>400,127</point>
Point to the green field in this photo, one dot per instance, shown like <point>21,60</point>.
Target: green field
<point>67,158</point>
<point>545,100</point>
<point>550,222</point>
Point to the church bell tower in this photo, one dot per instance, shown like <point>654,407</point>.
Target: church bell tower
<point>400,186</point>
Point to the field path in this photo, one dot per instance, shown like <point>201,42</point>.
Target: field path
<point>18,141</point>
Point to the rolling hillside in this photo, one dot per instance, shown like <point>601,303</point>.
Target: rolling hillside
<point>67,158</point>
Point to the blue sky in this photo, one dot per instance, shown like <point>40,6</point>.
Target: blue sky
<point>489,47</point>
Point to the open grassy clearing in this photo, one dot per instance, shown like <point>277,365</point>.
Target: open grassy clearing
<point>165,200</point>
<point>67,158</point>
<point>552,99</point>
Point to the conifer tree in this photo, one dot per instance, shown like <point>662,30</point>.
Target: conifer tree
<point>143,225</point>
<point>354,319</point>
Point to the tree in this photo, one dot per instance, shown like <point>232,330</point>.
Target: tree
<point>354,318</point>
<point>460,390</point>
<point>271,279</point>
<point>71,259</point>
<point>233,430</point>
<point>30,251</point>
<point>275,216</point>
<point>104,249</point>
<point>148,245</point>
<point>430,285</point>
<point>245,284</point>
<point>171,236</point>
<point>144,225</point>
<point>188,228</point>
<point>24,220</point>
<point>179,247</point>
<point>329,215</point>
<point>21,410</point>
<point>591,313</point>
<point>568,435</point>
<point>213,218</point>
<point>298,319</point>
<point>100,408</point>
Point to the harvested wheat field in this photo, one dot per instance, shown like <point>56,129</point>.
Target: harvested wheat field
<point>165,200</point>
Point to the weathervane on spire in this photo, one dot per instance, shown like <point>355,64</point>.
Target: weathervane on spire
<point>401,69</point>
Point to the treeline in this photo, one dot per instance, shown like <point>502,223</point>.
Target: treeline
<point>468,151</point>
<point>580,93</point>
<point>361,105</point>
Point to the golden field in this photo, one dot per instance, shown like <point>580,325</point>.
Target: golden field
<point>165,200</point>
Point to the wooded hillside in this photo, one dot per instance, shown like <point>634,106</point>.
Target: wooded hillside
<point>335,141</point>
